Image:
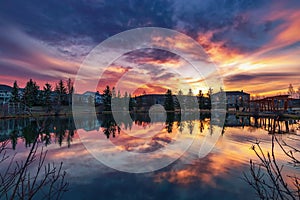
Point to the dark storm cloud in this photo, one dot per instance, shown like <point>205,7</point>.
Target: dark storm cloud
<point>53,37</point>
<point>20,51</point>
<point>239,24</point>
<point>213,14</point>
<point>56,20</point>
<point>261,77</point>
<point>65,22</point>
<point>19,72</point>
<point>147,54</point>
<point>246,35</point>
<point>164,77</point>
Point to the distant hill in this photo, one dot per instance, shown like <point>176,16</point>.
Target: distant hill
<point>5,87</point>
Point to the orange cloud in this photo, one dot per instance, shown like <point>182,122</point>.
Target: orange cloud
<point>276,56</point>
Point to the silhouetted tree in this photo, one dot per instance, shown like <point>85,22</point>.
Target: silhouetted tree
<point>70,90</point>
<point>116,101</point>
<point>110,127</point>
<point>29,133</point>
<point>46,97</point>
<point>126,94</point>
<point>131,103</point>
<point>179,100</point>
<point>19,181</point>
<point>190,126</point>
<point>124,102</point>
<point>169,102</point>
<point>291,90</point>
<point>30,96</point>
<point>107,95</point>
<point>14,138</point>
<point>209,93</point>
<point>190,100</point>
<point>60,91</point>
<point>268,177</point>
<point>113,92</point>
<point>15,93</point>
<point>170,122</point>
<point>200,99</point>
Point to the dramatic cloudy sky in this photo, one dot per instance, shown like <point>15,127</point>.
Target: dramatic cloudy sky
<point>255,44</point>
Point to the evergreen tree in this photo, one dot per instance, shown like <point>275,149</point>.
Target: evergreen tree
<point>131,103</point>
<point>60,91</point>
<point>116,99</point>
<point>180,93</point>
<point>209,93</point>
<point>30,96</point>
<point>190,93</point>
<point>190,100</point>
<point>125,101</point>
<point>126,94</point>
<point>170,122</point>
<point>15,93</point>
<point>291,90</point>
<point>113,92</point>
<point>169,102</point>
<point>47,102</point>
<point>200,99</point>
<point>70,90</point>
<point>107,99</point>
<point>179,101</point>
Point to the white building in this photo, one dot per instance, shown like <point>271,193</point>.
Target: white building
<point>90,97</point>
<point>5,93</point>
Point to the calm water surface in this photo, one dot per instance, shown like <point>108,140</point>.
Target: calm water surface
<point>218,175</point>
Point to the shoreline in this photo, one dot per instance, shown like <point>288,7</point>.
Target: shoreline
<point>68,112</point>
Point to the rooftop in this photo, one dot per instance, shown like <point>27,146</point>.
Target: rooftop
<point>5,88</point>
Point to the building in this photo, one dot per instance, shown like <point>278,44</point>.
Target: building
<point>295,105</point>
<point>237,100</point>
<point>183,102</point>
<point>144,102</point>
<point>274,104</point>
<point>5,93</point>
<point>88,97</point>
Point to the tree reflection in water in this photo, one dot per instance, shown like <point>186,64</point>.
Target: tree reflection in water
<point>170,122</point>
<point>61,130</point>
<point>110,127</point>
<point>55,130</point>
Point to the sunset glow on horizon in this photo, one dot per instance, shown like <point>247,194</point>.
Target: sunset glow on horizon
<point>255,46</point>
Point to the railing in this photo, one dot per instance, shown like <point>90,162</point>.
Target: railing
<point>11,109</point>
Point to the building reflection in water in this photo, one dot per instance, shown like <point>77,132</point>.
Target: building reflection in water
<point>62,129</point>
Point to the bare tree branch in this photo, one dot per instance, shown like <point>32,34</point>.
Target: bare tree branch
<point>266,177</point>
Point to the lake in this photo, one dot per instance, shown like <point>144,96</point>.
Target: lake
<point>170,157</point>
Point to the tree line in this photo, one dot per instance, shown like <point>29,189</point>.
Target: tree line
<point>48,96</point>
<point>171,102</point>
<point>111,97</point>
<point>188,101</point>
<point>52,97</point>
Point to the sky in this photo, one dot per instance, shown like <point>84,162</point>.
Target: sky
<point>255,45</point>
